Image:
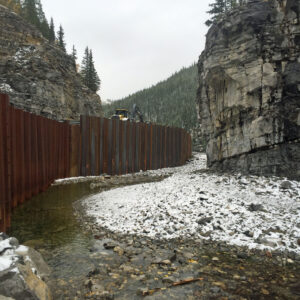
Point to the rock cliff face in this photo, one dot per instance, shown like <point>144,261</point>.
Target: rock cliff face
<point>38,76</point>
<point>249,89</point>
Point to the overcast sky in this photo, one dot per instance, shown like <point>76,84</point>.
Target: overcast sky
<point>136,43</point>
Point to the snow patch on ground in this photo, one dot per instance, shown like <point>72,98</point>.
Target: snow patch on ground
<point>5,88</point>
<point>74,180</point>
<point>22,53</point>
<point>9,252</point>
<point>251,211</point>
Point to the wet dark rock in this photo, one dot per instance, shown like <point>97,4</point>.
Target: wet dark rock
<point>242,255</point>
<point>204,221</point>
<point>217,227</point>
<point>255,207</point>
<point>286,185</point>
<point>249,233</point>
<point>94,272</point>
<point>110,245</point>
<point>88,283</point>
<point>12,285</point>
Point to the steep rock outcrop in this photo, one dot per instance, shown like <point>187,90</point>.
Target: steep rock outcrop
<point>249,89</point>
<point>38,76</point>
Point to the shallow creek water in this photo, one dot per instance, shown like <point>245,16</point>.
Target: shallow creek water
<point>48,224</point>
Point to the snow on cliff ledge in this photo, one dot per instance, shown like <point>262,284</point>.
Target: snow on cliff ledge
<point>251,211</point>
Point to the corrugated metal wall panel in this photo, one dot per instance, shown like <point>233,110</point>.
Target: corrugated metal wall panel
<point>35,150</point>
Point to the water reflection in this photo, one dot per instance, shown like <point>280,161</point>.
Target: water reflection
<point>47,223</point>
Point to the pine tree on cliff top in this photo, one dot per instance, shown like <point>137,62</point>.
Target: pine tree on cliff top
<point>88,72</point>
<point>61,39</point>
<point>52,32</point>
<point>30,13</point>
<point>220,7</point>
<point>74,53</point>
<point>74,56</point>
<point>43,25</point>
<point>84,66</point>
<point>94,78</point>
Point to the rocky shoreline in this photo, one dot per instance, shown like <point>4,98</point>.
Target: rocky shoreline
<point>130,266</point>
<point>135,267</point>
<point>23,272</point>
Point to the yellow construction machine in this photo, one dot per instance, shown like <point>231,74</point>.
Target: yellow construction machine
<point>124,115</point>
<point>121,114</point>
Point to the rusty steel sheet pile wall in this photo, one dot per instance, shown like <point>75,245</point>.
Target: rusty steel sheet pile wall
<point>117,147</point>
<point>34,151</point>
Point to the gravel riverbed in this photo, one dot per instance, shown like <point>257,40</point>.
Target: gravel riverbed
<point>194,235</point>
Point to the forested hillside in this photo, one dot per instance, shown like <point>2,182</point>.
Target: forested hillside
<point>170,102</point>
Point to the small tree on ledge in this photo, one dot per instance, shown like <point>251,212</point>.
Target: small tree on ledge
<point>61,39</point>
<point>220,7</point>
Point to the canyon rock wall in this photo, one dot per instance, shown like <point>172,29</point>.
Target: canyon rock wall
<point>38,76</point>
<point>249,89</point>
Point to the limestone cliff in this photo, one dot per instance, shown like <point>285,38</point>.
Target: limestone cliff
<point>249,89</point>
<point>38,76</point>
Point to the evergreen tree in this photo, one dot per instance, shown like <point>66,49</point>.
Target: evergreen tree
<point>39,10</point>
<point>43,25</point>
<point>88,72</point>
<point>29,12</point>
<point>61,39</point>
<point>45,29</point>
<point>52,32</point>
<point>32,11</point>
<point>94,80</point>
<point>74,53</point>
<point>84,66</point>
<point>220,7</point>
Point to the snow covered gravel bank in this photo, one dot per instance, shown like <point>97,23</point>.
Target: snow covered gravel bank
<point>251,211</point>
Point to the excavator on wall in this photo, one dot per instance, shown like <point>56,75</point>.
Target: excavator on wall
<point>124,115</point>
<point>121,114</point>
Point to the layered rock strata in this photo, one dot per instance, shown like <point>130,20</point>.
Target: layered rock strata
<point>249,89</point>
<point>38,76</point>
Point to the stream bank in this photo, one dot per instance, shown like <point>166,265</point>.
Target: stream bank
<point>48,224</point>
<point>90,261</point>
